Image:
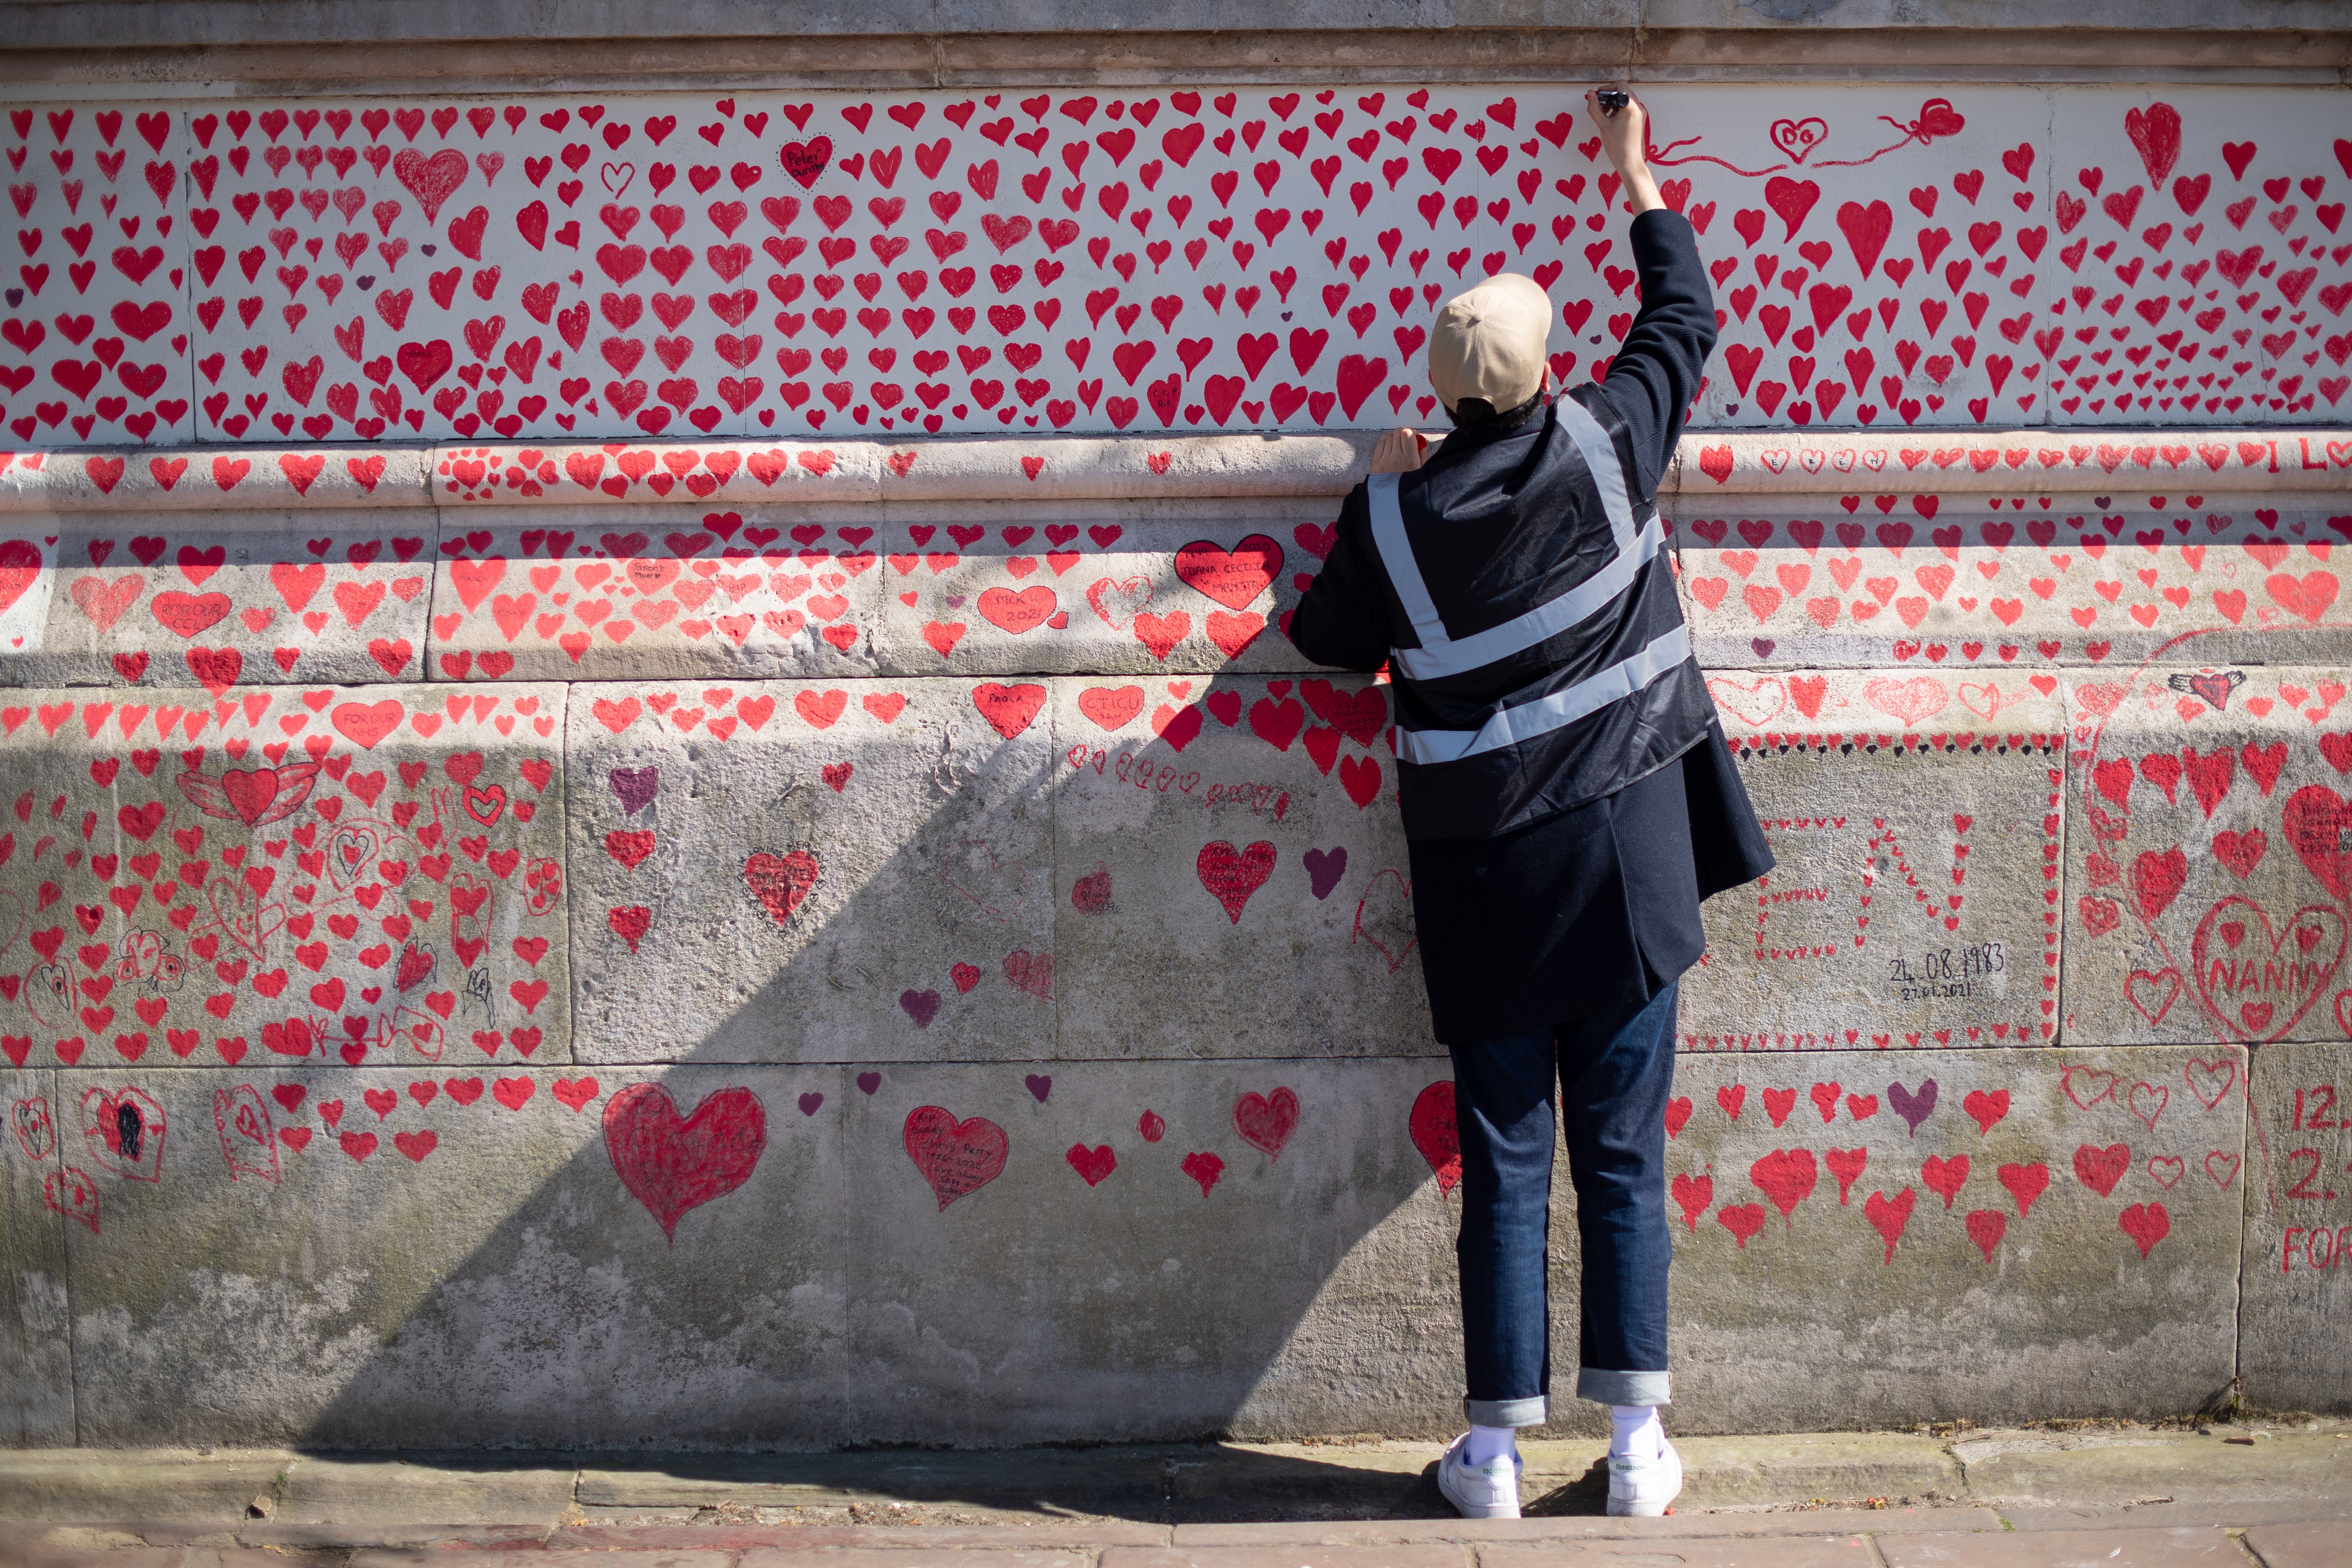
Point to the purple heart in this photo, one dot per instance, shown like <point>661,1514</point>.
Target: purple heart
<point>367,280</point>
<point>1039,1085</point>
<point>1913,1108</point>
<point>1323,869</point>
<point>635,786</point>
<point>15,297</point>
<point>921,1006</point>
<point>429,250</point>
<point>867,1082</point>
<point>810,1101</point>
<point>955,601</point>
<point>1763,646</point>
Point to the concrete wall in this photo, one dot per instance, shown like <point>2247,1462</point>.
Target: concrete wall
<point>541,911</point>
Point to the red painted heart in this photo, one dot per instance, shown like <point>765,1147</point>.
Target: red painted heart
<point>672,1166</point>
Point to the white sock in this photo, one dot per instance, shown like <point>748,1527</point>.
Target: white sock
<point>1487,1443</point>
<point>1635,1432</point>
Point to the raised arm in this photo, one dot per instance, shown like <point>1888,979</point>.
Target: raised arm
<point>1654,377</point>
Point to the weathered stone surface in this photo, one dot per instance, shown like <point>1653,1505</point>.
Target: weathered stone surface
<point>380,1257</point>
<point>2205,884</point>
<point>1916,816</point>
<point>1241,833</point>
<point>788,871</point>
<point>1254,1248</point>
<point>2299,1252</point>
<point>41,1198</point>
<point>287,871</point>
<point>2004,1233</point>
<point>577,593</point>
<point>218,599</point>
<point>2094,579</point>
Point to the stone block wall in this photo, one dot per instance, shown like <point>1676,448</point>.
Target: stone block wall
<point>658,797</point>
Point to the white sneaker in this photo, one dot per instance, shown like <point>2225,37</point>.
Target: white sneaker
<point>1641,1489</point>
<point>1490,1491</point>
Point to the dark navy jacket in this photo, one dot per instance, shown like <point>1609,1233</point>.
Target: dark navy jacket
<point>1569,889</point>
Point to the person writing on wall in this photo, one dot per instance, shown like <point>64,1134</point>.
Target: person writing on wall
<point>1570,800</point>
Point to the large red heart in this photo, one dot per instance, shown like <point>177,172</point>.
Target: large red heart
<point>430,179</point>
<point>955,1157</point>
<point>671,1166</point>
<point>2260,981</point>
<point>780,881</point>
<point>1235,578</point>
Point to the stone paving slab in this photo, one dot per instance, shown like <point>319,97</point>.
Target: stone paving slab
<point>2202,887</point>
<point>1005,1556</point>
<point>2294,1468</point>
<point>2064,1549</point>
<point>361,873</point>
<point>1417,1556</point>
<point>2297,1545</point>
<point>381,1557</point>
<point>1036,1532</point>
<point>72,1486</point>
<point>1240,833</point>
<point>1915,815</point>
<point>1947,1218</point>
<point>274,1265</point>
<point>1764,1552</point>
<point>1089,1481</point>
<point>366,1489</point>
<point>2024,582</point>
<point>1686,1523</point>
<point>2298,1250</point>
<point>217,598</point>
<point>795,871</point>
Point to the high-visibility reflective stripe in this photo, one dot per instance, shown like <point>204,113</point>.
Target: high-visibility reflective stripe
<point>1545,714</point>
<point>1396,554</point>
<point>1439,655</point>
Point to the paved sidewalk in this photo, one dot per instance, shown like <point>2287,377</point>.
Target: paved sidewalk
<point>2112,1497</point>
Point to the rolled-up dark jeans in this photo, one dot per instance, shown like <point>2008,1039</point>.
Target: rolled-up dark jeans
<point>1614,1075</point>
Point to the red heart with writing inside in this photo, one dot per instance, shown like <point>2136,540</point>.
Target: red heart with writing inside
<point>1232,874</point>
<point>955,1157</point>
<point>780,881</point>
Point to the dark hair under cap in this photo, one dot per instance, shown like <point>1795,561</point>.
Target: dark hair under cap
<point>1477,413</point>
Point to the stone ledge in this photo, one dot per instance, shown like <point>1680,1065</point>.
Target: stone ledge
<point>1118,467</point>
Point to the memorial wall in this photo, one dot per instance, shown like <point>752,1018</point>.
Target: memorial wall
<point>657,795</point>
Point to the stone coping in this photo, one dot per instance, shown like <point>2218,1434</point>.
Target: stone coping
<point>415,45</point>
<point>1122,467</point>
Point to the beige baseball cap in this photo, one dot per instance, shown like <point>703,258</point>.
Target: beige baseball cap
<point>1488,343</point>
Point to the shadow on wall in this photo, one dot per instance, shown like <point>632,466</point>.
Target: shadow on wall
<point>697,1242</point>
